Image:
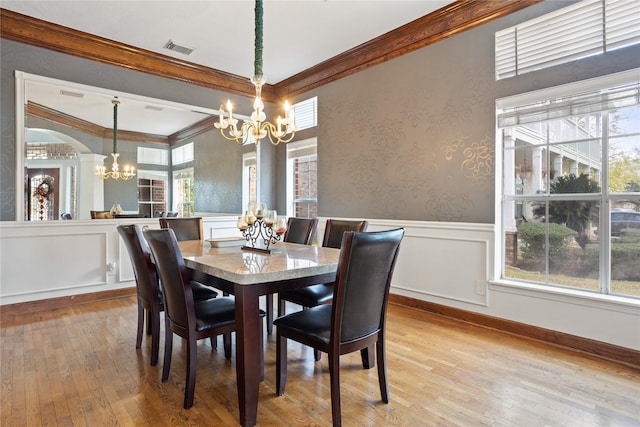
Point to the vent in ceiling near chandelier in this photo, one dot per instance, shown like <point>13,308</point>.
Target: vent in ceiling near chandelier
<point>153,108</point>
<point>171,45</point>
<point>69,93</point>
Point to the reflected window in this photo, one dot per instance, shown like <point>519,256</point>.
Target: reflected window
<point>302,179</point>
<point>152,193</point>
<point>183,192</point>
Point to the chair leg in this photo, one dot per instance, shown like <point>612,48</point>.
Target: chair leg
<point>334,375</point>
<point>281,364</point>
<point>368,358</point>
<point>155,336</point>
<point>190,386</point>
<point>226,342</point>
<point>140,326</point>
<point>168,346</point>
<point>213,339</point>
<point>382,370</point>
<point>149,324</point>
<point>281,306</point>
<point>269,313</point>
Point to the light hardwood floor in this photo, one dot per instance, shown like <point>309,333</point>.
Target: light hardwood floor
<point>78,366</point>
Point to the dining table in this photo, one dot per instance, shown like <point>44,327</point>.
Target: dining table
<point>248,274</point>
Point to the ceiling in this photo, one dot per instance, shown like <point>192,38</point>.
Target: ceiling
<point>297,35</point>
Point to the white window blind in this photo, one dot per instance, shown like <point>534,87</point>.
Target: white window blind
<point>182,154</point>
<point>308,147</point>
<point>306,113</point>
<point>153,156</point>
<point>584,29</point>
<point>574,105</point>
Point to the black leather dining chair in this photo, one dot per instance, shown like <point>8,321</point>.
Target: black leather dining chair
<point>187,228</point>
<point>299,230</point>
<point>356,318</point>
<point>185,317</point>
<point>322,293</point>
<point>148,289</point>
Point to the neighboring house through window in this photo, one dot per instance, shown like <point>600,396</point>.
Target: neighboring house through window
<point>183,180</point>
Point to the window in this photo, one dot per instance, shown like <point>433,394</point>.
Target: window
<point>249,181</point>
<point>584,29</point>
<point>152,192</point>
<point>183,154</point>
<point>570,185</point>
<point>153,156</point>
<point>306,113</point>
<point>183,200</point>
<point>302,179</point>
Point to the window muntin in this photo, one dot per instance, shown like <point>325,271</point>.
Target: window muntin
<point>587,28</point>
<point>302,179</point>
<point>561,156</point>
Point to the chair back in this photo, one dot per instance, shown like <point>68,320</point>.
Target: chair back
<point>190,228</point>
<point>101,215</point>
<point>362,284</point>
<point>300,230</point>
<point>143,268</point>
<point>335,228</point>
<point>178,297</point>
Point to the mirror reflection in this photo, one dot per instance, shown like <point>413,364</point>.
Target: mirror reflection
<point>70,130</point>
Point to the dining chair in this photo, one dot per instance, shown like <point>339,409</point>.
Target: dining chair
<point>101,214</point>
<point>356,318</point>
<point>314,295</point>
<point>148,288</point>
<point>299,230</point>
<point>189,319</point>
<point>186,228</point>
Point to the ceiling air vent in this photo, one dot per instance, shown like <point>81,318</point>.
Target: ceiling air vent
<point>171,45</point>
<point>153,108</point>
<point>69,93</point>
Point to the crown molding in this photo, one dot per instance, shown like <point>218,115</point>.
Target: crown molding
<point>36,32</point>
<point>46,113</point>
<point>445,22</point>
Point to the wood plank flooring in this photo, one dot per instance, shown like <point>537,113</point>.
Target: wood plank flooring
<point>78,366</point>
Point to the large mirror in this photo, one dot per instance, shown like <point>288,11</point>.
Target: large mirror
<point>68,132</point>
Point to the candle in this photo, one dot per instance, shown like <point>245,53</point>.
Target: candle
<point>229,109</point>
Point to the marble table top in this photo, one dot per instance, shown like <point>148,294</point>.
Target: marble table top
<point>244,267</point>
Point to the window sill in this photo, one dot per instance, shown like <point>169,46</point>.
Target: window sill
<point>572,296</point>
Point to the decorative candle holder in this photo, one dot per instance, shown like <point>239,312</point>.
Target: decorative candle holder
<point>261,230</point>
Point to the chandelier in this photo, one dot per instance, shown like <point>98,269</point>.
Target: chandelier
<point>257,128</point>
<point>114,173</point>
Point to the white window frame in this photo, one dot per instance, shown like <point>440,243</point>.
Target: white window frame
<point>151,175</point>
<point>177,202</point>
<point>505,223</point>
<point>295,150</point>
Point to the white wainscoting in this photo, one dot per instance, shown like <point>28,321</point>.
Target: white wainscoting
<point>445,263</point>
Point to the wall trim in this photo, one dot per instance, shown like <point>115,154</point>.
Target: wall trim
<point>589,347</point>
<point>66,301</point>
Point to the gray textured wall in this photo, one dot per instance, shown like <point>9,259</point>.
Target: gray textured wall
<point>412,138</point>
